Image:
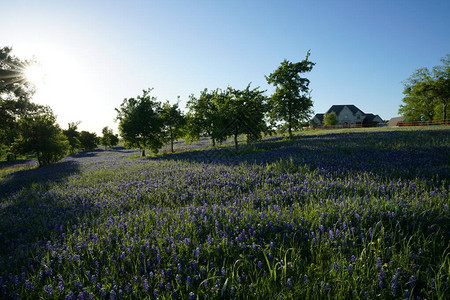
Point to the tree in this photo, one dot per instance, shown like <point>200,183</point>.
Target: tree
<point>39,134</point>
<point>427,93</point>
<point>243,112</point>
<point>140,122</point>
<point>173,121</point>
<point>330,119</point>
<point>88,140</point>
<point>114,140</point>
<point>291,103</point>
<point>15,95</point>
<point>73,136</point>
<point>12,80</point>
<point>203,117</point>
<point>108,139</point>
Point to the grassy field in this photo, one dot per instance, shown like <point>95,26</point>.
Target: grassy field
<point>329,215</point>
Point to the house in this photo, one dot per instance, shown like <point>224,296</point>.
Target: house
<point>348,115</point>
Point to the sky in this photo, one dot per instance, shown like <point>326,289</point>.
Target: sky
<point>97,53</point>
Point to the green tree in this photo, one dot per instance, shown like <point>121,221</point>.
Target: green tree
<point>140,122</point>
<point>114,139</point>
<point>243,112</point>
<point>291,103</point>
<point>427,93</point>
<point>105,140</point>
<point>203,118</point>
<point>330,119</point>
<point>40,134</point>
<point>88,140</point>
<point>174,122</point>
<point>73,136</point>
<point>15,95</point>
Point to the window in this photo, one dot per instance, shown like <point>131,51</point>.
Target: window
<point>345,116</point>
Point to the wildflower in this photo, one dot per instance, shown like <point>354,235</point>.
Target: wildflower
<point>70,296</point>
<point>289,282</point>
<point>48,289</point>
<point>145,285</point>
<point>191,296</point>
<point>350,269</point>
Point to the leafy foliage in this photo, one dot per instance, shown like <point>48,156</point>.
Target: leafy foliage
<point>88,140</point>
<point>330,119</point>
<point>242,112</point>
<point>15,94</point>
<point>39,134</point>
<point>203,118</point>
<point>109,139</point>
<point>140,122</point>
<point>174,122</point>
<point>427,93</point>
<point>73,136</point>
<point>291,102</point>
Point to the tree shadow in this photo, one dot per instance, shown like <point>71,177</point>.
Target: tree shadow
<point>389,154</point>
<point>32,212</point>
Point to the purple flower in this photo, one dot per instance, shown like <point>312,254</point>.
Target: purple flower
<point>192,296</point>
<point>350,269</point>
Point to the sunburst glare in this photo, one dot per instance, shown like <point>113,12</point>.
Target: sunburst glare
<point>35,74</point>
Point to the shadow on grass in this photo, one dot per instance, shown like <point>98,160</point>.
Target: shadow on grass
<point>31,212</point>
<point>389,154</point>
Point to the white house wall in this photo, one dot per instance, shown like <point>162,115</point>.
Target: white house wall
<point>346,116</point>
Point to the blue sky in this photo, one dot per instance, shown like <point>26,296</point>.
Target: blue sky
<point>100,52</point>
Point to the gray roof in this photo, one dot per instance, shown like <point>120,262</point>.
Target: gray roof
<point>371,118</point>
<point>337,109</point>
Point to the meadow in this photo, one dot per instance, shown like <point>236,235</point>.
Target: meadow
<point>347,215</point>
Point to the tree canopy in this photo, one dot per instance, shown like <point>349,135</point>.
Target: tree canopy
<point>109,139</point>
<point>203,117</point>
<point>173,122</point>
<point>88,140</point>
<point>73,136</point>
<point>291,103</point>
<point>140,122</point>
<point>40,134</point>
<point>330,119</point>
<point>15,95</point>
<point>242,112</point>
<point>427,93</point>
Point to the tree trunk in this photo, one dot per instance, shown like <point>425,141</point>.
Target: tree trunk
<point>290,122</point>
<point>445,113</point>
<point>236,141</point>
<point>143,152</point>
<point>213,142</point>
<point>171,139</point>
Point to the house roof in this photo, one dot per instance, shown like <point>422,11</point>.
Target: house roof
<point>319,117</point>
<point>338,108</point>
<point>371,117</point>
<point>394,121</point>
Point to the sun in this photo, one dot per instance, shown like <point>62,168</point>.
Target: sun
<point>35,74</point>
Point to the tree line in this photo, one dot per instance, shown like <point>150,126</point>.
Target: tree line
<point>146,123</point>
<point>219,114</point>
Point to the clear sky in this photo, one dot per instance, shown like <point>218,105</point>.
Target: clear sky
<point>96,53</point>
